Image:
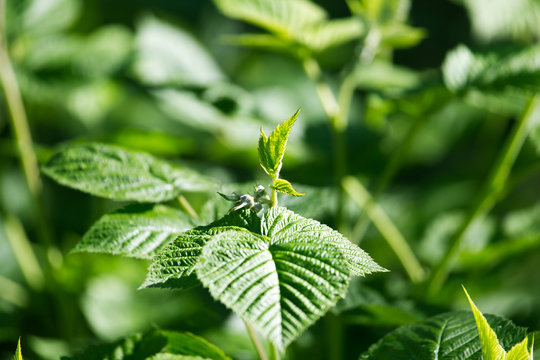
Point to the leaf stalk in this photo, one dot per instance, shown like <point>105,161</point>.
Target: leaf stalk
<point>256,342</point>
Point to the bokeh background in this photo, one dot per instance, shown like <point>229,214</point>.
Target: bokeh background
<point>160,76</point>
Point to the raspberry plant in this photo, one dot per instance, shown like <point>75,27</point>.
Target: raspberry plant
<point>277,270</point>
<point>275,266</point>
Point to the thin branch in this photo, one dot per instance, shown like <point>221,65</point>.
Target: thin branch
<point>492,191</point>
<point>184,203</point>
<point>386,227</point>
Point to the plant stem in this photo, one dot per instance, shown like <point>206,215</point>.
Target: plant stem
<point>274,352</point>
<point>24,254</point>
<point>256,342</point>
<point>386,227</point>
<point>492,190</point>
<point>338,123</point>
<point>21,132</point>
<point>15,106</point>
<point>184,203</point>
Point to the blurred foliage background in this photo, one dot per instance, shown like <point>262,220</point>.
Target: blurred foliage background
<point>163,77</point>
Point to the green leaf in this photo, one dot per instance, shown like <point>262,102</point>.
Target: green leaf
<point>447,336</point>
<point>384,76</point>
<point>281,284</point>
<point>271,149</point>
<point>331,33</point>
<point>264,41</point>
<point>18,353</point>
<point>497,71</point>
<point>509,20</point>
<point>168,55</point>
<point>401,36</point>
<point>292,22</point>
<point>282,17</point>
<point>282,222</point>
<point>302,255</point>
<point>491,348</point>
<point>186,343</point>
<point>157,344</point>
<point>139,231</point>
<point>285,187</point>
<point>174,266</point>
<point>44,17</point>
<point>119,174</point>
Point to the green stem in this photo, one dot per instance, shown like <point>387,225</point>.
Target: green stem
<point>21,132</point>
<point>274,352</point>
<point>492,190</point>
<point>334,337</point>
<point>256,342</point>
<point>274,201</point>
<point>184,203</point>
<point>337,117</point>
<point>23,253</point>
<point>386,227</point>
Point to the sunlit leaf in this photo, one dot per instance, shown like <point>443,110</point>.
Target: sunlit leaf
<point>281,285</point>
<point>44,17</point>
<point>272,148</point>
<point>136,231</point>
<point>463,69</point>
<point>280,221</point>
<point>283,17</point>
<point>18,353</point>
<point>400,36</point>
<point>503,20</point>
<point>174,266</point>
<point>331,33</point>
<point>491,349</point>
<point>292,22</point>
<point>167,55</point>
<point>447,336</point>
<point>287,270</point>
<point>116,173</point>
<point>384,76</point>
<point>285,187</point>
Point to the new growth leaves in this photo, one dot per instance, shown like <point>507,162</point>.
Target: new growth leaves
<point>271,151</point>
<point>272,148</point>
<point>491,347</point>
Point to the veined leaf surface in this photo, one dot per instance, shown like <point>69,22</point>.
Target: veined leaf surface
<point>281,273</point>
<point>491,348</point>
<point>157,344</point>
<point>463,69</point>
<point>119,174</point>
<point>283,17</point>
<point>139,230</point>
<point>281,284</point>
<point>447,336</point>
<point>272,148</point>
<point>297,22</point>
<point>285,187</point>
<point>174,266</point>
<point>282,222</point>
